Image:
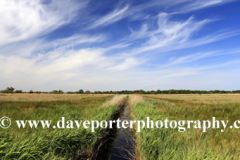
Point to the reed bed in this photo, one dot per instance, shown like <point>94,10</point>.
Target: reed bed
<point>167,143</point>
<point>26,97</point>
<point>199,98</point>
<point>52,143</point>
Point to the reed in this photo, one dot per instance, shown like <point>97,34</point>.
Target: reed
<point>54,143</point>
<point>192,144</point>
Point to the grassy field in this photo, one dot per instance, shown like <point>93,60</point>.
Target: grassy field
<point>39,143</point>
<point>49,97</point>
<point>203,98</point>
<point>193,143</point>
<point>52,143</point>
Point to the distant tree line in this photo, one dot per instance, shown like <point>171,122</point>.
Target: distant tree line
<point>11,90</point>
<point>171,91</point>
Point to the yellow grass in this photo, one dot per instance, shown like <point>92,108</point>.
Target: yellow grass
<point>204,98</point>
<point>135,98</point>
<point>1,94</point>
<point>203,107</point>
<point>116,100</point>
<point>48,97</point>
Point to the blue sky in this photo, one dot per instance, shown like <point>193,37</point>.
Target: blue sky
<point>119,45</point>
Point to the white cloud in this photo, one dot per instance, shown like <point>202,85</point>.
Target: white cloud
<point>90,69</point>
<point>21,20</point>
<point>127,64</point>
<point>34,47</point>
<point>110,18</point>
<point>191,58</point>
<point>137,12</point>
<point>169,35</point>
<point>200,4</point>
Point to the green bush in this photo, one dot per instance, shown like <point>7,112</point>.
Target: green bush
<point>57,92</point>
<point>18,91</point>
<point>80,91</point>
<point>8,90</point>
<point>69,92</point>
<point>87,92</point>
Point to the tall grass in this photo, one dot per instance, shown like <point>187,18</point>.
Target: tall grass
<point>116,100</point>
<point>53,143</point>
<point>169,143</point>
<point>203,98</point>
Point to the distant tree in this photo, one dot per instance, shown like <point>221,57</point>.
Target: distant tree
<point>8,90</point>
<point>57,92</point>
<point>152,92</point>
<point>81,91</point>
<point>141,91</point>
<point>18,91</point>
<point>69,92</point>
<point>60,92</point>
<point>87,92</point>
<point>31,91</point>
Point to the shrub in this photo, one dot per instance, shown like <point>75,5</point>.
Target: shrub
<point>81,91</point>
<point>69,92</point>
<point>87,92</point>
<point>18,91</point>
<point>8,90</point>
<point>57,92</point>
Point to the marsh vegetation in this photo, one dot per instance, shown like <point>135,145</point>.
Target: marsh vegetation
<point>77,143</point>
<point>43,143</point>
<point>193,143</point>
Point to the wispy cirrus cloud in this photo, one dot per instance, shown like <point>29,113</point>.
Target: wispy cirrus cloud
<point>28,48</point>
<point>136,12</point>
<point>21,20</point>
<point>167,34</point>
<point>191,58</point>
<point>201,4</point>
<point>128,63</point>
<point>110,18</point>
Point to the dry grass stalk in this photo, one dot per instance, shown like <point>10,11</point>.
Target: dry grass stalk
<point>116,100</point>
<point>48,97</point>
<point>136,98</point>
<point>203,98</point>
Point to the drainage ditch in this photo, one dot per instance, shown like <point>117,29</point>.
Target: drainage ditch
<point>120,143</point>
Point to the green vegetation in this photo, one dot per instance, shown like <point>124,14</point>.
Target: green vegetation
<point>77,143</point>
<point>18,91</point>
<point>191,144</point>
<point>87,92</point>
<point>56,92</point>
<point>77,92</point>
<point>53,143</point>
<point>171,91</point>
<point>8,90</point>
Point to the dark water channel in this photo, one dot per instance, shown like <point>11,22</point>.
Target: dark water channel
<point>120,145</point>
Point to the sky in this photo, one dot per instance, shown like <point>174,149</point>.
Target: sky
<point>105,45</point>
